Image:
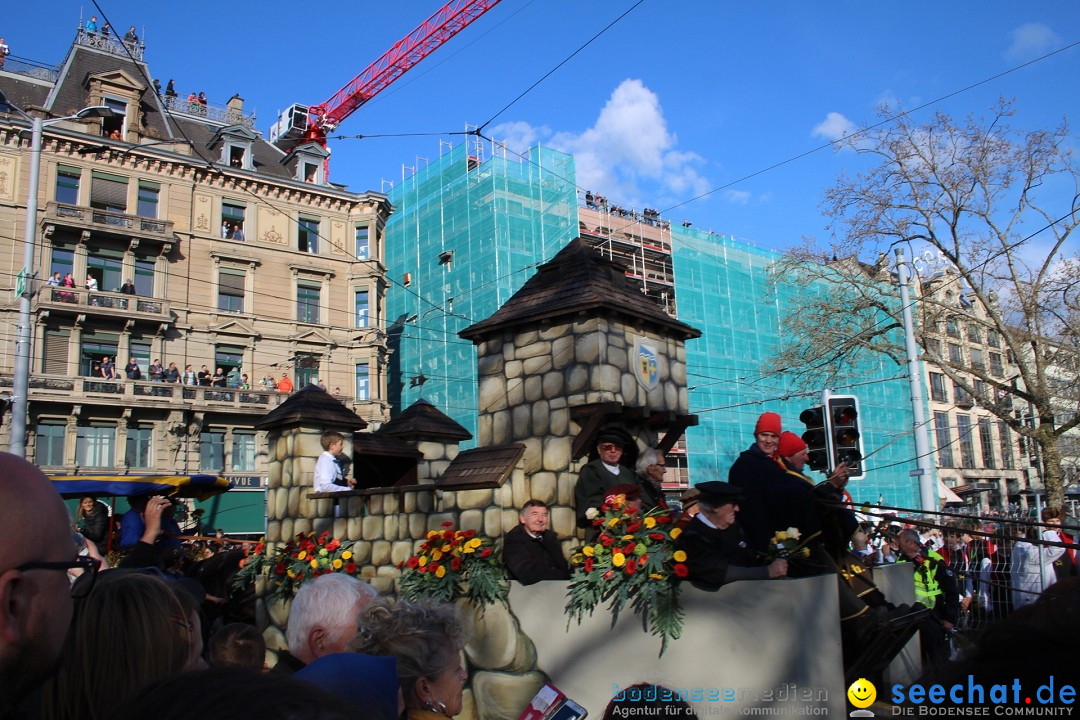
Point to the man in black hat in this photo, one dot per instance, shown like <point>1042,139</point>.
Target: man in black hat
<point>715,550</point>
<point>603,473</point>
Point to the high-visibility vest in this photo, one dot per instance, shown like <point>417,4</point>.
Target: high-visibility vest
<point>927,589</point>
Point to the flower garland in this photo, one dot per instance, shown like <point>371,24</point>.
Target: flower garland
<point>306,557</point>
<point>632,559</point>
<point>451,564</point>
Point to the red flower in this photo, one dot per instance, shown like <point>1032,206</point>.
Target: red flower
<point>663,519</point>
<point>399,565</point>
<point>423,569</point>
<point>630,567</point>
<point>633,527</point>
<point>609,574</point>
<point>642,560</point>
<point>259,549</point>
<point>447,524</point>
<point>468,534</point>
<point>350,567</point>
<point>656,536</point>
<point>588,564</point>
<point>435,566</point>
<point>426,546</point>
<point>455,564</point>
<point>333,545</point>
<point>629,550</point>
<point>486,552</point>
<point>414,561</point>
<point>606,540</point>
<point>681,571</point>
<point>243,562</point>
<point>279,569</point>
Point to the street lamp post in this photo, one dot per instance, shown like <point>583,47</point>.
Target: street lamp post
<point>21,389</point>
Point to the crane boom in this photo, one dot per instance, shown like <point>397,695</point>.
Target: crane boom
<point>448,21</point>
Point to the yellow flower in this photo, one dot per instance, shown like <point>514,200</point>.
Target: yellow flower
<point>423,561</point>
<point>431,534</point>
<point>655,576</point>
<point>346,555</point>
<point>650,522</point>
<point>781,535</point>
<point>468,549</point>
<point>577,558</point>
<point>290,573</point>
<point>314,563</point>
<point>445,548</point>
<point>436,555</point>
<point>441,571</point>
<point>302,555</point>
<point>627,537</point>
<point>613,522</point>
<point>618,559</point>
<point>474,543</point>
<point>675,533</point>
<point>588,550</point>
<point>679,556</point>
<point>338,564</point>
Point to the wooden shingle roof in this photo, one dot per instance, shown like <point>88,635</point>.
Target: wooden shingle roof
<point>312,405</point>
<point>423,421</point>
<point>578,279</point>
<point>486,467</point>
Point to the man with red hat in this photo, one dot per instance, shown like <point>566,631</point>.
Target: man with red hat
<point>836,522</point>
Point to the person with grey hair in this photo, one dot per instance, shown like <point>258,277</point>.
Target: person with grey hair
<point>716,552</point>
<point>323,618</point>
<point>425,638</point>
<point>650,467</point>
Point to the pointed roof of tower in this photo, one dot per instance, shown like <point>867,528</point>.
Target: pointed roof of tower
<point>578,279</point>
<point>313,406</point>
<point>424,421</point>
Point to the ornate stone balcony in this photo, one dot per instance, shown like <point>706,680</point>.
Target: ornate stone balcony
<point>92,302</point>
<point>107,221</point>
<point>88,390</point>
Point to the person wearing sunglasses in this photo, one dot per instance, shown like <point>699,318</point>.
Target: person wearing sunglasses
<point>36,553</point>
<point>603,473</point>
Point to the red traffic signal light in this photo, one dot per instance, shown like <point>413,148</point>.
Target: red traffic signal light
<point>846,435</point>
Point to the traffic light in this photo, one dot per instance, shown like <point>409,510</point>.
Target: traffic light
<point>846,434</point>
<point>816,437</point>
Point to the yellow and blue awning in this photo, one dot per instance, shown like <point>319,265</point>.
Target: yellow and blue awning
<point>185,486</point>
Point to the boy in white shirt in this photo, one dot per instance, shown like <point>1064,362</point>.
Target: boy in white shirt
<point>327,471</point>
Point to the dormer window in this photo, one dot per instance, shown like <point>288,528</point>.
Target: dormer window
<point>236,146</point>
<point>114,127</point>
<point>306,162</point>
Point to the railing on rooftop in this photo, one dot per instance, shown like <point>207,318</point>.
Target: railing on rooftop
<point>209,111</point>
<point>30,68</point>
<point>110,44</point>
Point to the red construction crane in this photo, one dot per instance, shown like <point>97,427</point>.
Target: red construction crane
<point>302,124</point>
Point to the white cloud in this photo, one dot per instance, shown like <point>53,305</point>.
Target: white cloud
<point>737,197</point>
<point>628,154</point>
<point>1030,41</point>
<point>518,136</point>
<point>834,127</point>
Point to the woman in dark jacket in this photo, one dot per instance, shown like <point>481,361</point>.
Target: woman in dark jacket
<point>93,519</point>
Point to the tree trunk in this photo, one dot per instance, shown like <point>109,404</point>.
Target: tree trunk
<point>1051,466</point>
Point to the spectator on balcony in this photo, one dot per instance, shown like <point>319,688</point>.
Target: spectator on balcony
<point>4,52</point>
<point>226,230</point>
<point>232,378</point>
<point>204,376</point>
<point>69,282</point>
<point>218,380</point>
<point>108,368</point>
<point>238,233</point>
<point>128,288</point>
<point>106,30</point>
<point>91,283</point>
<point>132,371</point>
<point>189,376</point>
<point>91,24</point>
<point>285,384</point>
<point>269,383</point>
<point>245,384</point>
<point>54,279</point>
<point>130,38</point>
<point>157,87</point>
<point>157,372</point>
<point>170,89</point>
<point>193,103</point>
<point>172,373</point>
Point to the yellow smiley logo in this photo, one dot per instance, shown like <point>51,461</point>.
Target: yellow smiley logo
<point>862,693</point>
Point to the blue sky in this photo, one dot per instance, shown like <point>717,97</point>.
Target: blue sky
<point>677,99</point>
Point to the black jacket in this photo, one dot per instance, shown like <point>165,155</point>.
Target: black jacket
<point>715,557</point>
<point>530,560</point>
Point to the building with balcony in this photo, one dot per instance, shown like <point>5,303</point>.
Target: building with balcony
<point>976,453</point>
<point>192,241</point>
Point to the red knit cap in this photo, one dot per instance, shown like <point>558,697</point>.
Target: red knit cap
<point>790,443</point>
<point>768,422</point>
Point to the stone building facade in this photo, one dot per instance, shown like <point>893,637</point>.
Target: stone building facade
<point>241,256</point>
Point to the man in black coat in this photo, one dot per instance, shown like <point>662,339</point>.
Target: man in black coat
<point>531,551</point>
<point>715,551</point>
<point>602,474</point>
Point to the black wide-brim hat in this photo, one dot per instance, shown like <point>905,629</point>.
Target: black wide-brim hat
<point>614,434</point>
<point>718,493</point>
